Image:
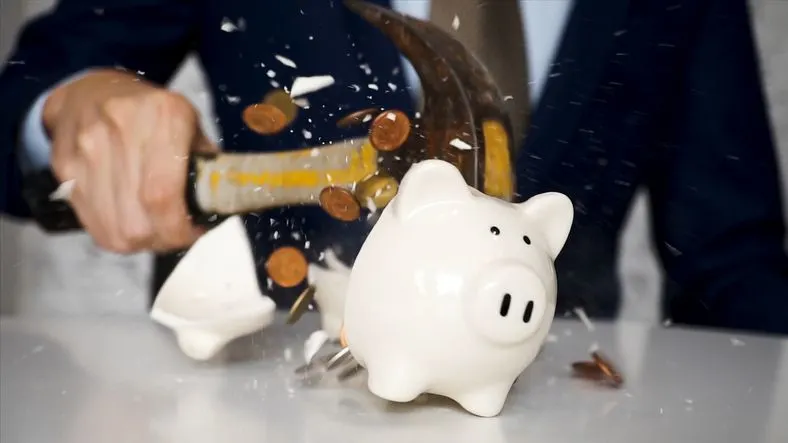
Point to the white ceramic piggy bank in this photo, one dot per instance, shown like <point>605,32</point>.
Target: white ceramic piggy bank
<point>453,292</point>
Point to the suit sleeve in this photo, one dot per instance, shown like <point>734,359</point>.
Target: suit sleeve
<point>716,199</point>
<point>150,37</point>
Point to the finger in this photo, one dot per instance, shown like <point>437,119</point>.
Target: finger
<point>134,224</point>
<point>165,166</point>
<point>203,145</point>
<point>68,166</point>
<point>96,151</point>
<point>80,203</point>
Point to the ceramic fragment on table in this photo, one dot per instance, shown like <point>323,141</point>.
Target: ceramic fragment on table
<point>212,295</point>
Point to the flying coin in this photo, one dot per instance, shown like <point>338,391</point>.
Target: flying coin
<point>301,305</point>
<point>357,117</point>
<point>378,188</point>
<point>340,203</point>
<point>264,119</point>
<point>606,366</point>
<point>287,267</point>
<point>389,130</point>
<point>282,101</point>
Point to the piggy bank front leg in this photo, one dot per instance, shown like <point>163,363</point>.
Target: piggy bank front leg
<point>486,401</point>
<point>398,382</point>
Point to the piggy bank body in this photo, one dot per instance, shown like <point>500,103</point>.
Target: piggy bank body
<point>453,292</point>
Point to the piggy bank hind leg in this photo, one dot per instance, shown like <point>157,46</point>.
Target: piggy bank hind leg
<point>487,401</point>
<point>397,382</point>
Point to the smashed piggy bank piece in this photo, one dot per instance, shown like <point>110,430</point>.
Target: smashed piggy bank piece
<point>213,297</point>
<point>330,284</point>
<point>453,292</point>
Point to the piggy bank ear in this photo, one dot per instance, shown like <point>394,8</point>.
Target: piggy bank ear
<point>553,213</point>
<point>427,183</point>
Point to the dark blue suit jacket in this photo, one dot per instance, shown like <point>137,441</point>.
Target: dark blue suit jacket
<point>642,93</point>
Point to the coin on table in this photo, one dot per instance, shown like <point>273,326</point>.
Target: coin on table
<point>301,305</point>
<point>282,101</point>
<point>380,189</point>
<point>606,366</point>
<point>264,119</point>
<point>287,267</point>
<point>342,337</point>
<point>357,117</point>
<point>587,370</point>
<point>340,203</point>
<point>389,130</point>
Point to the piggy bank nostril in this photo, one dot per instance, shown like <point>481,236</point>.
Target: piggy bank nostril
<point>505,302</point>
<point>529,310</point>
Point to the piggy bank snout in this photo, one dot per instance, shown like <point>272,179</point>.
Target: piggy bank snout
<point>508,304</point>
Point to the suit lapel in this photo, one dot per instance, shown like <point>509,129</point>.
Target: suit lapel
<point>585,48</point>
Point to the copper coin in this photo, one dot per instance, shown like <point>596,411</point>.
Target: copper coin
<point>282,101</point>
<point>357,117</point>
<point>587,370</point>
<point>340,203</point>
<point>342,337</point>
<point>380,189</point>
<point>287,267</point>
<point>389,130</point>
<point>610,371</point>
<point>301,305</point>
<point>264,119</point>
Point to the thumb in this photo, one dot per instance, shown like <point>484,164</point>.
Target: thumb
<point>201,144</point>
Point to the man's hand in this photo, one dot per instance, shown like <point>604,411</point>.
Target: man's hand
<point>125,142</point>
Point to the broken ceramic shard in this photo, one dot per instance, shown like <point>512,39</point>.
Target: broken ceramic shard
<point>64,191</point>
<point>330,284</point>
<point>213,296</point>
<point>454,291</point>
<point>307,85</point>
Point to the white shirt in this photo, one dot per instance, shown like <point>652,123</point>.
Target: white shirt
<point>543,20</point>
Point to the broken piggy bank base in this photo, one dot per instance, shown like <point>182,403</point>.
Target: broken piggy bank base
<point>453,292</point>
<point>212,296</point>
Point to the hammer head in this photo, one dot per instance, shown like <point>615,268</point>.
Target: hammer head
<point>464,121</point>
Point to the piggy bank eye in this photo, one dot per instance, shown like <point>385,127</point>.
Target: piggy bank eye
<point>527,240</point>
<point>495,230</point>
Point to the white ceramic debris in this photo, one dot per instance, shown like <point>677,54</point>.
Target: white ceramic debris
<point>453,292</point>
<point>213,296</point>
<point>330,291</point>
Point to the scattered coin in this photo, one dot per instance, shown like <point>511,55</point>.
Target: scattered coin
<point>264,119</point>
<point>340,203</point>
<point>339,358</point>
<point>357,117</point>
<point>587,370</point>
<point>317,362</point>
<point>287,267</point>
<point>342,337</point>
<point>282,101</point>
<point>301,305</point>
<point>389,130</point>
<point>610,371</point>
<point>378,188</point>
<point>349,372</point>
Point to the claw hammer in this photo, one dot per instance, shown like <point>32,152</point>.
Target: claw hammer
<point>463,122</point>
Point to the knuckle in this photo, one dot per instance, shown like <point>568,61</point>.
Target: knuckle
<point>157,197</point>
<point>117,107</point>
<point>90,139</point>
<point>173,105</point>
<point>136,234</point>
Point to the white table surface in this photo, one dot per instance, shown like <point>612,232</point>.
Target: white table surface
<point>119,380</point>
